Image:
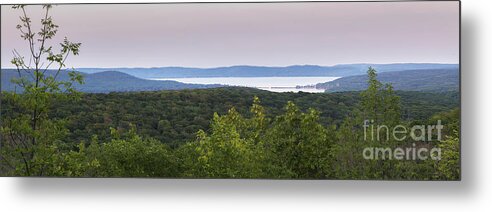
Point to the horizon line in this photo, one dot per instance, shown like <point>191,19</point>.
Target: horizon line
<point>274,66</point>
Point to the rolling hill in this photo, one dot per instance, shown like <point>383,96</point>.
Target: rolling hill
<point>263,71</point>
<point>107,81</point>
<point>405,76</point>
<point>428,80</point>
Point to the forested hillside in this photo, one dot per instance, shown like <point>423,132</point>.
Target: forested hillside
<point>174,117</point>
<point>231,133</point>
<point>101,82</point>
<point>427,80</point>
<point>121,80</point>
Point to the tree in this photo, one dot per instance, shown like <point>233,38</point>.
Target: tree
<point>448,166</point>
<point>223,153</point>
<point>379,103</point>
<point>299,145</point>
<point>371,100</point>
<point>31,139</point>
<point>129,155</point>
<point>379,106</point>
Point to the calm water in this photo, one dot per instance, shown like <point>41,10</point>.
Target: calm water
<point>275,84</point>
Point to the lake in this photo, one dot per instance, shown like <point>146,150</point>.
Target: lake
<point>274,84</point>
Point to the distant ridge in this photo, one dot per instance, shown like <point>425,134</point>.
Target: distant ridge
<point>265,71</point>
<point>404,76</point>
<point>107,81</point>
<point>427,80</point>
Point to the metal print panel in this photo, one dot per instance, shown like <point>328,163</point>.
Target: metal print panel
<point>298,90</point>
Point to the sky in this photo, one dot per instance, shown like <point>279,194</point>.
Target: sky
<point>266,34</point>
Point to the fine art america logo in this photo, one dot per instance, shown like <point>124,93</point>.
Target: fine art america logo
<point>416,134</point>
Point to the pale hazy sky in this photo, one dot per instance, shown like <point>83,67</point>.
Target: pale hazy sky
<point>270,34</point>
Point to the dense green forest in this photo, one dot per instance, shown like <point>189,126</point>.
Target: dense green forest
<point>232,133</point>
<point>174,117</point>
